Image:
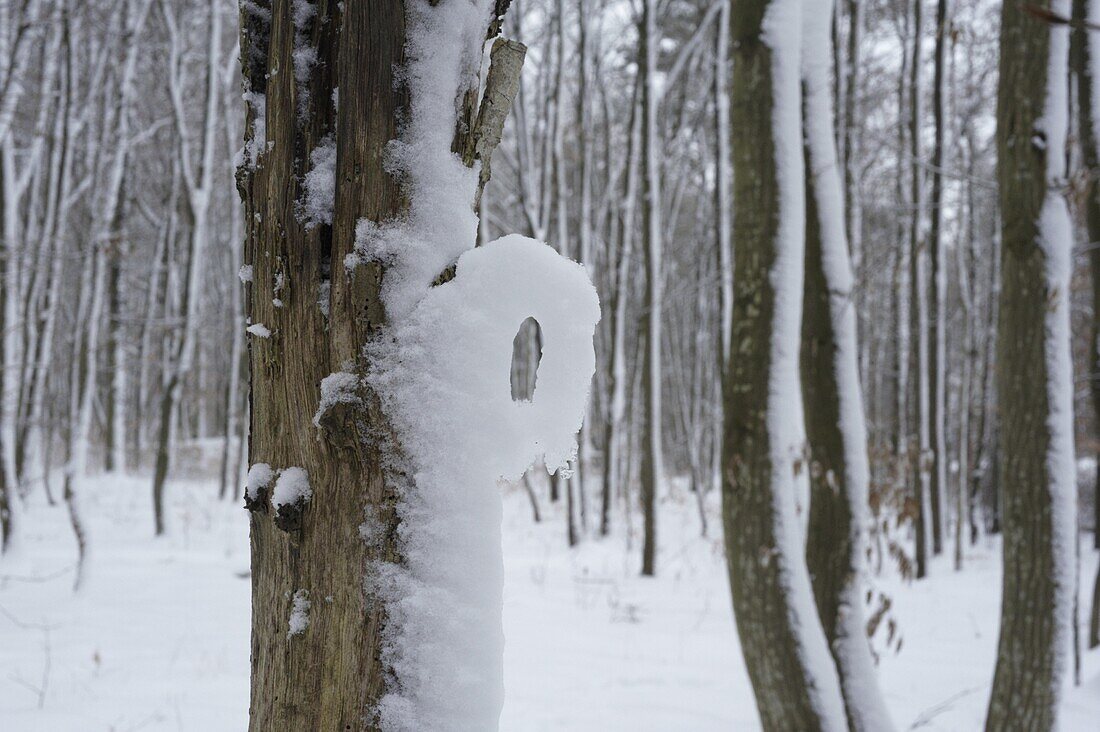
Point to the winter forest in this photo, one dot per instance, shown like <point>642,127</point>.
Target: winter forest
<point>431,365</point>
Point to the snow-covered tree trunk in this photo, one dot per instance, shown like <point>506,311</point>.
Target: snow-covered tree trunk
<point>377,576</point>
<point>786,652</point>
<point>832,397</point>
<point>1034,374</point>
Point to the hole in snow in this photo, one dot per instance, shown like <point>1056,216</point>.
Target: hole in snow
<point>526,354</point>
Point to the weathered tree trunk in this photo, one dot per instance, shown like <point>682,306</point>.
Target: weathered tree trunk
<point>832,399</point>
<point>1034,375</point>
<point>793,676</point>
<point>331,675</point>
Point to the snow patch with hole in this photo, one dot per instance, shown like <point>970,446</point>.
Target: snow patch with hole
<point>445,383</point>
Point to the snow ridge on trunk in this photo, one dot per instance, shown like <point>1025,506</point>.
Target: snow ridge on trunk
<point>782,32</point>
<point>441,371</point>
<point>864,703</point>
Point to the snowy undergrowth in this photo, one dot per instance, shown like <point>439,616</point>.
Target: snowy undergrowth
<point>442,373</point>
<point>158,640</point>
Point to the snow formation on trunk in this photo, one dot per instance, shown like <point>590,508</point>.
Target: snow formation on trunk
<point>442,373</point>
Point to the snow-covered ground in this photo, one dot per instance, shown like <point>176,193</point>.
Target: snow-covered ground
<point>158,640</point>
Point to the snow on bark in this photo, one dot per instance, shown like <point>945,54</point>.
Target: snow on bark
<point>442,373</point>
<point>291,487</point>
<point>337,388</point>
<point>260,477</point>
<point>864,702</point>
<point>444,49</point>
<point>299,614</point>
<point>256,144</point>
<point>320,185</point>
<point>259,330</point>
<point>244,274</point>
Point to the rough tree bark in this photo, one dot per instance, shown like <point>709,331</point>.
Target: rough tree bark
<point>793,676</point>
<point>652,471</point>
<point>1034,377</point>
<point>332,674</point>
<point>918,313</point>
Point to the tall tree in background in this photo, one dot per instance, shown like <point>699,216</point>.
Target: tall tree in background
<point>1084,53</point>
<point>787,656</point>
<point>937,317</point>
<point>832,397</point>
<point>325,457</point>
<point>652,463</point>
<point>1034,373</point>
<point>199,185</point>
<point>918,313</point>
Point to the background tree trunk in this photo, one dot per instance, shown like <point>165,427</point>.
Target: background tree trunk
<point>832,398</point>
<point>785,649</point>
<point>1038,476</point>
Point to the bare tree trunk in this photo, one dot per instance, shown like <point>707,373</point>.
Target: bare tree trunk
<point>332,675</point>
<point>786,652</point>
<point>937,321</point>
<point>652,471</point>
<point>1082,52</point>
<point>918,304</point>
<point>1034,375</point>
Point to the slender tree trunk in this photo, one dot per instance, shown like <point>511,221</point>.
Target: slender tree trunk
<point>835,427</point>
<point>853,81</point>
<point>1084,48</point>
<point>786,652</point>
<point>652,463</point>
<point>918,304</point>
<point>8,498</point>
<point>1034,375</point>
<point>937,299</point>
<point>617,367</point>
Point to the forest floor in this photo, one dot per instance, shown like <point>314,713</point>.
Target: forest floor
<point>159,638</point>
